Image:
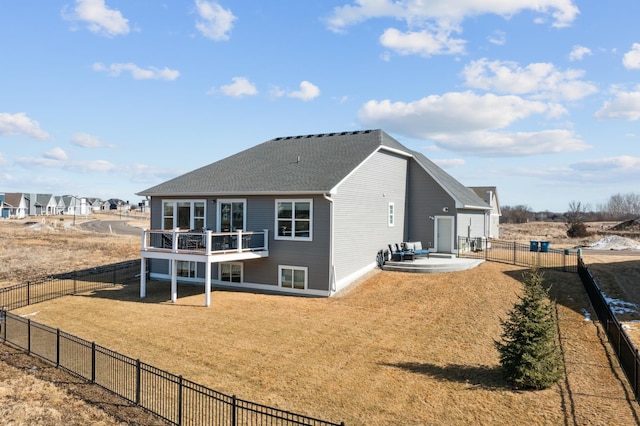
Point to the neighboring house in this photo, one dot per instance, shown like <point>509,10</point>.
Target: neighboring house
<point>4,208</point>
<point>15,205</point>
<point>61,206</point>
<point>74,206</point>
<point>94,204</point>
<point>490,195</point>
<point>311,213</point>
<point>41,204</point>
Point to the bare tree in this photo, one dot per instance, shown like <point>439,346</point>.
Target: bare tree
<point>575,217</point>
<point>516,214</point>
<point>622,206</point>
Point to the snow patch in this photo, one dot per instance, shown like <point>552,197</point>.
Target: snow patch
<point>615,242</point>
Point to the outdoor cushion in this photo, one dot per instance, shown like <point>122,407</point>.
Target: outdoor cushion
<point>408,246</point>
<point>417,246</point>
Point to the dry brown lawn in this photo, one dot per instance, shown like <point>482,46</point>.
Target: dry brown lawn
<point>396,349</point>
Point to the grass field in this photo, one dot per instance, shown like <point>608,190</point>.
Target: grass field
<point>396,349</point>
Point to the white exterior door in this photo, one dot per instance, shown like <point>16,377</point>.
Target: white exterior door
<point>444,237</point>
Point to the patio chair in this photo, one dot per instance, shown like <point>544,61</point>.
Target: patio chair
<point>416,248</point>
<point>396,255</point>
<point>406,253</point>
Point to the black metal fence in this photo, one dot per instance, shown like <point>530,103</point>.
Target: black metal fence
<point>54,286</point>
<point>519,254</point>
<point>175,399</point>
<point>626,352</point>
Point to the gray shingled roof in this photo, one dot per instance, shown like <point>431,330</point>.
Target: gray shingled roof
<point>295,164</point>
<point>300,164</point>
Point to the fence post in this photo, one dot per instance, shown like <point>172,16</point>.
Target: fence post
<point>57,347</point>
<point>3,323</point>
<point>93,362</point>
<point>28,293</point>
<point>28,336</point>
<point>179,400</point>
<point>75,284</point>
<point>234,414</point>
<point>138,381</point>
<point>514,253</point>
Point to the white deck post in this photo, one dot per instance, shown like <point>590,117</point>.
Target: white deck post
<point>207,282</point>
<point>174,280</point>
<point>144,239</point>
<point>265,244</point>
<point>207,243</point>
<point>143,278</point>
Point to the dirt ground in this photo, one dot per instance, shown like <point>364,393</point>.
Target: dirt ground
<point>397,349</point>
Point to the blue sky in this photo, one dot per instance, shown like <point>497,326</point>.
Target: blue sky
<point>106,98</point>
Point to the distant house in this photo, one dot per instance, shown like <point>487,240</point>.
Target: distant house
<point>41,204</point>
<point>74,206</point>
<point>490,195</point>
<point>304,214</point>
<point>94,204</point>
<point>15,205</point>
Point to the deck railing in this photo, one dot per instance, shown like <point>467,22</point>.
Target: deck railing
<point>205,243</point>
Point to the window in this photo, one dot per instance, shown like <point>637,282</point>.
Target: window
<point>183,214</point>
<point>186,269</point>
<point>293,277</point>
<point>391,215</point>
<point>294,219</point>
<point>231,215</point>
<point>230,272</point>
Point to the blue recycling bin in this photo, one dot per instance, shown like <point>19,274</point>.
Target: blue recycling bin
<point>533,245</point>
<point>544,246</point>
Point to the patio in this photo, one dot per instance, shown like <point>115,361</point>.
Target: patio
<point>436,262</point>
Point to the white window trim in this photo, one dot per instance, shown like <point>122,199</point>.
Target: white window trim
<point>192,210</point>
<point>221,201</point>
<point>293,200</point>
<point>241,264</point>
<point>391,215</point>
<point>294,268</point>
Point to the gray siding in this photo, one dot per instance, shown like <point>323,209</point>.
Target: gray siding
<point>261,215</point>
<point>472,223</point>
<point>426,198</point>
<point>361,212</point>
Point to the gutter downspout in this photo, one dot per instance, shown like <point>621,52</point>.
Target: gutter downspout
<point>332,271</point>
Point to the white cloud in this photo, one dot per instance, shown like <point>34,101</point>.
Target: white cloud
<point>307,92</point>
<point>240,87</point>
<point>429,24</point>
<point>152,73</point>
<point>578,53</point>
<point>423,43</point>
<point>623,169</point>
<point>625,105</point>
<point>539,80</point>
<point>454,112</point>
<point>98,17</point>
<point>76,166</point>
<point>86,141</point>
<point>215,22</point>
<point>631,59</point>
<point>56,153</point>
<point>20,124</point>
<point>442,15</point>
<point>498,38</point>
<point>2,160</point>
<point>509,144</point>
<point>449,163</point>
